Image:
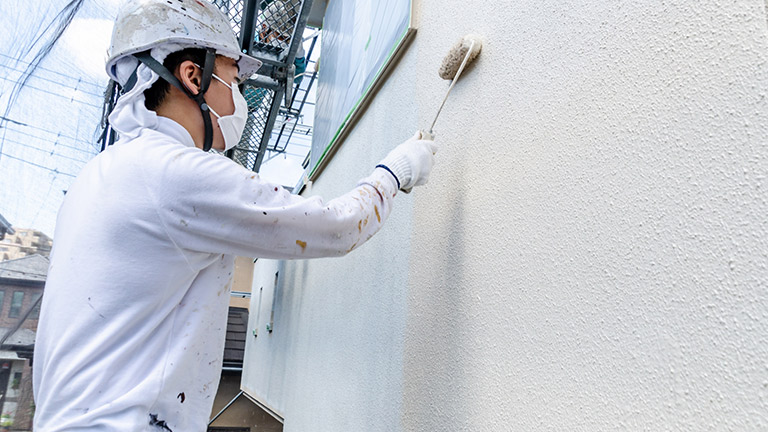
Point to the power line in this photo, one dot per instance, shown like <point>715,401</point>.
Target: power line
<point>48,70</point>
<point>101,8</point>
<point>53,170</point>
<point>71,99</point>
<point>63,19</point>
<point>58,134</point>
<point>79,81</point>
<point>51,152</point>
<point>12,121</point>
<point>57,142</point>
<point>43,201</point>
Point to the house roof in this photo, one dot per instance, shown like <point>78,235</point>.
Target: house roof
<point>28,268</point>
<point>21,337</point>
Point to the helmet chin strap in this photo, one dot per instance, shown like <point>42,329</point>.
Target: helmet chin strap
<point>199,98</point>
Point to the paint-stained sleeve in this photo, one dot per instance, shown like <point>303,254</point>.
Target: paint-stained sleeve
<point>231,210</point>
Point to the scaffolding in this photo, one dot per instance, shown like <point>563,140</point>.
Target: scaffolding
<point>272,31</point>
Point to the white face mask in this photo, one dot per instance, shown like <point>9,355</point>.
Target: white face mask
<point>232,126</point>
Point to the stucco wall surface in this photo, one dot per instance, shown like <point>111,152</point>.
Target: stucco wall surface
<point>591,252</point>
<point>334,359</point>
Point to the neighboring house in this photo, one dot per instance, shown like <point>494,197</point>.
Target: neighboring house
<point>21,242</point>
<point>21,285</point>
<point>233,410</point>
<point>5,228</point>
<point>590,252</point>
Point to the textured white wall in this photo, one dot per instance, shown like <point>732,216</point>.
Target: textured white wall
<point>265,359</point>
<point>334,360</point>
<point>592,250</point>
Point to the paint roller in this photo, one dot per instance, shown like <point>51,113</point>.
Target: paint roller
<point>460,55</point>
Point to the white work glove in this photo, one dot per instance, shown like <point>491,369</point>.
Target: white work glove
<point>411,161</point>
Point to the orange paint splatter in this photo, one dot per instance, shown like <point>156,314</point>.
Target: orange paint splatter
<point>376,208</point>
<point>360,226</point>
<point>350,249</point>
<point>303,245</point>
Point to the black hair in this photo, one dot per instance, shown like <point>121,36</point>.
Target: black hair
<point>155,95</point>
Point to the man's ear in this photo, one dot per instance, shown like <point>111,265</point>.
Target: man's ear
<point>190,76</point>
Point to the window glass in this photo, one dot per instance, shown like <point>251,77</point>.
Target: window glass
<point>16,301</point>
<point>36,311</point>
<point>2,299</point>
<point>15,384</point>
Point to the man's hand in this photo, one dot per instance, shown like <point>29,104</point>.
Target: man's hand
<point>411,161</point>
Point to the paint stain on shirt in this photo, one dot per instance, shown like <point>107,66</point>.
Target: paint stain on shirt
<point>303,245</point>
<point>153,421</point>
<point>376,208</point>
<point>181,397</point>
<point>94,309</point>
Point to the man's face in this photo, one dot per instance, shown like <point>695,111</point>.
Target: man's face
<point>219,96</point>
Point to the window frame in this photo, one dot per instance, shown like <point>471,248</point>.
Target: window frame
<point>20,305</point>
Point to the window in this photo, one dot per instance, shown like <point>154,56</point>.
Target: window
<point>35,314</point>
<point>16,383</point>
<point>2,298</point>
<point>16,302</point>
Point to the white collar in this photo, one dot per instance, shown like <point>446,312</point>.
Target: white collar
<point>169,127</point>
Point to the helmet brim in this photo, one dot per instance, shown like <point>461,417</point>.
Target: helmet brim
<point>248,66</point>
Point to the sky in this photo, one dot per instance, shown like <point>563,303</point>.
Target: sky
<point>51,129</point>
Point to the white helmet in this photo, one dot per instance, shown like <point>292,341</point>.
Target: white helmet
<point>146,24</point>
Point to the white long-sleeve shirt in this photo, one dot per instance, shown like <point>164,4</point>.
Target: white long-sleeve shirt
<point>133,321</point>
